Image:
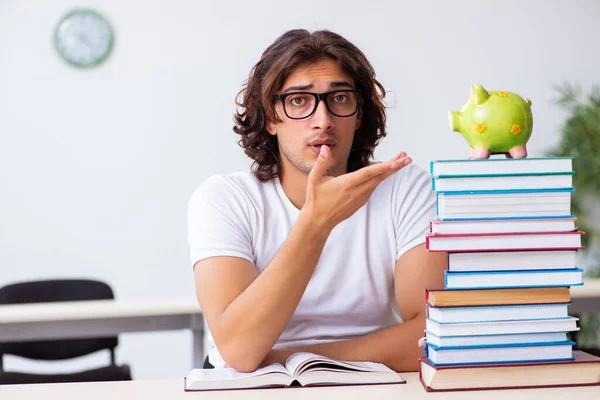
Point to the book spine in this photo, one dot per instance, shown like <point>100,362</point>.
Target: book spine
<point>515,272</point>
<point>567,216</point>
<point>509,191</point>
<point>506,175</point>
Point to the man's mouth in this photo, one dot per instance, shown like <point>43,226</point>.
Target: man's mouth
<point>316,144</point>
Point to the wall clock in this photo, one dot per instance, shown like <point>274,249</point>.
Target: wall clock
<point>83,38</point>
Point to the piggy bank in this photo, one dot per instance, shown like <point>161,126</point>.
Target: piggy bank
<point>494,123</point>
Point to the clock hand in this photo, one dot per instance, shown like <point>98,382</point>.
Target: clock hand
<point>83,39</point>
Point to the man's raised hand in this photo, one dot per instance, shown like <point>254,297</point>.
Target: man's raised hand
<point>331,200</point>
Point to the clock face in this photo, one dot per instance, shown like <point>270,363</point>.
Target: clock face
<point>83,38</point>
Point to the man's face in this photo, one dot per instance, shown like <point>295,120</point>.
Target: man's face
<point>300,140</point>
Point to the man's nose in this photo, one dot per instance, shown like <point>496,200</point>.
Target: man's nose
<point>322,119</point>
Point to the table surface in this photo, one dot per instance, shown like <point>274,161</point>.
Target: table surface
<point>590,288</point>
<point>173,390</point>
<point>96,309</point>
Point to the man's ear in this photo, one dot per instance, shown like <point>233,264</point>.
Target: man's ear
<point>358,122</point>
<point>271,127</point>
<point>360,116</point>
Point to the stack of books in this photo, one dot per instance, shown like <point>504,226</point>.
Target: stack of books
<point>502,318</point>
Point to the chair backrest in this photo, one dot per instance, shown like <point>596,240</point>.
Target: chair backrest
<point>56,290</point>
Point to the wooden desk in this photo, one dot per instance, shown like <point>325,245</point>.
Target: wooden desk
<point>80,319</point>
<point>173,390</point>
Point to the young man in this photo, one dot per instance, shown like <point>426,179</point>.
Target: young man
<point>317,249</point>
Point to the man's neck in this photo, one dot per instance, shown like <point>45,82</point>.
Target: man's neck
<point>294,182</point>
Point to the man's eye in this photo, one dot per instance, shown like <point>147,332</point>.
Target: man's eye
<point>340,98</point>
<point>297,101</point>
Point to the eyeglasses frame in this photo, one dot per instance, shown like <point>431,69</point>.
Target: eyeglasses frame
<point>319,97</point>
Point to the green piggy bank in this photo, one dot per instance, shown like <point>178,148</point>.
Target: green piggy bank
<point>494,123</point>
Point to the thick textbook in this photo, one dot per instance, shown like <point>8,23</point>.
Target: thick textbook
<point>503,204</point>
<point>491,340</point>
<point>501,166</point>
<point>440,297</point>
<point>497,313</point>
<point>501,225</point>
<point>453,183</point>
<point>513,279</point>
<point>304,369</point>
<point>582,370</point>
<point>494,354</point>
<point>505,241</point>
<point>512,260</point>
<point>568,324</point>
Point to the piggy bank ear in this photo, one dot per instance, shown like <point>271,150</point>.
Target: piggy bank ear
<point>527,101</point>
<point>479,93</point>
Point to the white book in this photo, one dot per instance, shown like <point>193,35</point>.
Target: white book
<point>497,313</point>
<point>502,182</point>
<point>568,324</point>
<point>306,369</point>
<point>499,198</point>
<point>562,351</point>
<point>502,225</point>
<point>512,260</point>
<point>513,279</point>
<point>488,340</point>
<point>511,204</point>
<point>505,241</point>
<point>501,166</point>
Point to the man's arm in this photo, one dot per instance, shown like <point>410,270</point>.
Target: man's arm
<point>247,312</point>
<point>395,346</point>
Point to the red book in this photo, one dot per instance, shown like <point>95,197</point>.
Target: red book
<point>505,241</point>
<point>583,370</point>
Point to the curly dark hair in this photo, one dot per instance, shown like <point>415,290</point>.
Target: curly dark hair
<point>292,49</point>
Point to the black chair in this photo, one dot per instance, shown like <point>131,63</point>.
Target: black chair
<point>60,290</point>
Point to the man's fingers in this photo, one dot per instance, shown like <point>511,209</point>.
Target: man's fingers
<point>381,170</point>
<point>399,155</point>
<point>372,183</point>
<point>320,168</point>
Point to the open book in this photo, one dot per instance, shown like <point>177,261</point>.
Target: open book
<point>304,369</point>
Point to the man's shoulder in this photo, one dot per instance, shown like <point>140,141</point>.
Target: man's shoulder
<point>234,179</point>
<point>234,185</point>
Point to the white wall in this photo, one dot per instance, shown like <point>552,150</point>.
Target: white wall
<point>96,166</point>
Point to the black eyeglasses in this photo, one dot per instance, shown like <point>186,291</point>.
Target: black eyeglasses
<point>300,105</point>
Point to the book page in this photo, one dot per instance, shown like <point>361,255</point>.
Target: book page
<point>274,375</point>
<point>297,363</point>
<point>227,374</point>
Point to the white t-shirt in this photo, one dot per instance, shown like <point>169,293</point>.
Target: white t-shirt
<point>351,292</point>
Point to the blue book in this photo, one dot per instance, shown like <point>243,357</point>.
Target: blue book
<point>525,352</point>
<point>494,182</point>
<point>501,166</point>
<point>513,279</point>
<point>513,312</point>
<point>489,340</point>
